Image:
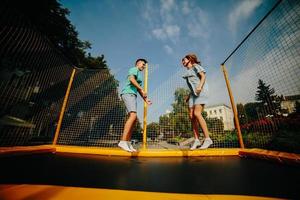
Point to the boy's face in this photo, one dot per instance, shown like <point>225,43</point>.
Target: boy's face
<point>141,65</point>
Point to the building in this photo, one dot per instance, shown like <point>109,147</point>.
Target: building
<point>289,103</point>
<point>222,112</point>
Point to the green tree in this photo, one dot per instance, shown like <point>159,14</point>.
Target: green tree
<point>252,110</point>
<point>153,130</point>
<point>93,62</point>
<point>297,107</point>
<point>137,131</point>
<point>241,113</point>
<point>50,18</point>
<point>270,103</point>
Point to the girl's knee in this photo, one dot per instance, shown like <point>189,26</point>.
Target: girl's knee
<point>133,115</point>
<point>197,114</point>
<point>191,116</point>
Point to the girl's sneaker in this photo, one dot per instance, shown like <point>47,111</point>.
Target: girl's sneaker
<point>207,142</point>
<point>131,147</point>
<point>196,144</point>
<point>124,146</point>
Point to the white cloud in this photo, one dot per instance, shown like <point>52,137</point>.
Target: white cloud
<point>168,49</point>
<point>167,5</point>
<point>185,7</point>
<point>198,25</point>
<point>241,12</point>
<point>167,32</point>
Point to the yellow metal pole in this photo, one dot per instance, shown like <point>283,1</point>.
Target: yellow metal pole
<point>145,108</point>
<point>236,119</point>
<point>63,108</point>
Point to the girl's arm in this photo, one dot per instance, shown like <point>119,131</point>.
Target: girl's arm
<point>202,81</point>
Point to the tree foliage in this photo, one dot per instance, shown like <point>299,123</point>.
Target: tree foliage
<point>270,102</point>
<point>50,19</point>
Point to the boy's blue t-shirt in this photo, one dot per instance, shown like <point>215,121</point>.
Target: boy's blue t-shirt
<point>129,88</point>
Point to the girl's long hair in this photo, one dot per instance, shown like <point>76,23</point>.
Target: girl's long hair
<point>193,58</point>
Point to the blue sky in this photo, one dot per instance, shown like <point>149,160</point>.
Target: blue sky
<point>163,32</point>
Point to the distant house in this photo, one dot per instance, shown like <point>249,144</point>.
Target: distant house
<point>222,112</point>
<point>289,103</point>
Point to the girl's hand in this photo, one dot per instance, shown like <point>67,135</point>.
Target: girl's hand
<point>198,90</point>
<point>187,98</point>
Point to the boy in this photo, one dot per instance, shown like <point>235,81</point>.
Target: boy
<point>129,95</point>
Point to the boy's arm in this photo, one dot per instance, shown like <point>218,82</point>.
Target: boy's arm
<point>140,89</point>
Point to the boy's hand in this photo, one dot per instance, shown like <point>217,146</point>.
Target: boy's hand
<point>148,101</point>
<point>143,93</point>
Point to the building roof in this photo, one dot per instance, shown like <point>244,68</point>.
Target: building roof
<point>292,97</point>
<point>216,105</point>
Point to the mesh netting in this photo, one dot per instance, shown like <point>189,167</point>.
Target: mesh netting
<point>264,74</point>
<point>34,78</point>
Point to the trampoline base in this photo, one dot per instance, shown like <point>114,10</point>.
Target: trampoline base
<point>25,191</point>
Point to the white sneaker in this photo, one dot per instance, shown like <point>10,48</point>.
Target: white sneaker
<point>207,142</point>
<point>196,144</point>
<point>131,147</point>
<point>124,146</point>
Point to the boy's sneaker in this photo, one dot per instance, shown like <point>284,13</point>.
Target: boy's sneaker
<point>124,146</point>
<point>196,144</point>
<point>207,142</point>
<point>131,147</point>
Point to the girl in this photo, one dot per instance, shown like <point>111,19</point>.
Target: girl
<point>195,78</point>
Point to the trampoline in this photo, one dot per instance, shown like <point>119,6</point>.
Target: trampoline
<point>180,176</point>
<point>76,115</point>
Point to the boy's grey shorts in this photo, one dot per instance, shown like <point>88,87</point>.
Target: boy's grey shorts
<point>130,102</point>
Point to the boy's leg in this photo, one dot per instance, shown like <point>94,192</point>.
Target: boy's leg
<point>129,134</point>
<point>129,125</point>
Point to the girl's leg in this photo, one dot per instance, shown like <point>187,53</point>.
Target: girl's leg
<point>194,123</point>
<point>198,115</point>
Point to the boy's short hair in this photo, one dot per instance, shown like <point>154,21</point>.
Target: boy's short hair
<point>141,59</point>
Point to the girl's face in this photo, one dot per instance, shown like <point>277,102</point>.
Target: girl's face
<point>185,62</point>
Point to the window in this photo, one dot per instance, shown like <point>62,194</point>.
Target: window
<point>220,110</point>
<point>221,118</point>
<point>210,112</point>
<point>215,111</point>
